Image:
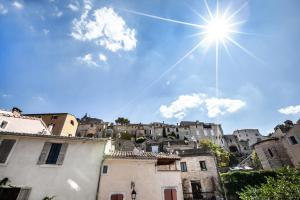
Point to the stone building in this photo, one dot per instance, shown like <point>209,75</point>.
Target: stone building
<point>147,175</point>
<point>14,121</point>
<point>200,179</point>
<point>39,166</point>
<point>91,127</point>
<point>63,124</point>
<point>251,135</point>
<point>282,149</point>
<point>272,154</point>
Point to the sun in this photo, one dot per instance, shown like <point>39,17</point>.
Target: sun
<point>217,29</point>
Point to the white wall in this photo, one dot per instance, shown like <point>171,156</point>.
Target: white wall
<point>23,125</point>
<point>76,178</point>
<point>149,183</point>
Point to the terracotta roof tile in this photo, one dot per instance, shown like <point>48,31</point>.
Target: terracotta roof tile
<point>141,155</point>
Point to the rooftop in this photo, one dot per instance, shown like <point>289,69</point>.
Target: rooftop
<point>141,155</point>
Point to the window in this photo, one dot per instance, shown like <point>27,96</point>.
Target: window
<point>183,167</point>
<point>293,140</point>
<point>14,193</point>
<point>104,169</point>
<point>203,166</point>
<point>54,117</point>
<point>72,122</point>
<point>5,149</point>
<point>3,124</point>
<point>170,194</point>
<point>53,153</point>
<point>117,197</point>
<point>176,129</point>
<point>270,152</point>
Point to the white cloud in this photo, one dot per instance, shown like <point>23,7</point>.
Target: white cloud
<point>58,14</point>
<point>74,6</point>
<point>102,57</point>
<point>3,10</point>
<point>214,106</point>
<point>104,27</point>
<point>290,110</point>
<point>18,5</point>
<point>88,59</point>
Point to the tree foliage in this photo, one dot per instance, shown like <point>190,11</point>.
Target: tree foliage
<point>285,185</point>
<point>235,181</point>
<point>122,121</point>
<point>222,156</point>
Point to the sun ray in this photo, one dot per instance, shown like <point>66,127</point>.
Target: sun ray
<point>245,50</point>
<point>208,10</point>
<point>161,76</point>
<point>163,19</point>
<point>237,11</point>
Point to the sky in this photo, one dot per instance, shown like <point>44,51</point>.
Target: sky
<point>144,60</point>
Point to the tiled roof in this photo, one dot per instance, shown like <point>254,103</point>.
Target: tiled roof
<point>141,155</point>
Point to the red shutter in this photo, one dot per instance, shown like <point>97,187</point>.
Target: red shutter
<point>170,194</point>
<point>174,194</point>
<point>116,197</point>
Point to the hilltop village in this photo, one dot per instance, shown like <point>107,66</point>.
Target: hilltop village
<point>88,158</point>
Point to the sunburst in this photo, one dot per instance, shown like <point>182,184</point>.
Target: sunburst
<point>217,28</point>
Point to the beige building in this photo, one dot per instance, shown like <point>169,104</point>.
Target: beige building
<point>199,174</point>
<point>147,175</point>
<point>39,166</point>
<point>91,127</point>
<point>14,121</point>
<point>252,136</point>
<point>282,149</point>
<point>63,124</point>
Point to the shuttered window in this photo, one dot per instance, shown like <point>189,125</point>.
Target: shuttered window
<point>53,153</point>
<point>14,193</point>
<point>5,148</point>
<point>117,197</point>
<point>170,194</point>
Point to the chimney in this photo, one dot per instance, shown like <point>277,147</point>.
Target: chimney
<point>16,112</point>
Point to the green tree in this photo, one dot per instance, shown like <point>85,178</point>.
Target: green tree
<point>255,160</point>
<point>122,121</point>
<point>222,156</point>
<point>286,185</point>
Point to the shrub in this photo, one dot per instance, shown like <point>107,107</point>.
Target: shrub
<point>140,140</point>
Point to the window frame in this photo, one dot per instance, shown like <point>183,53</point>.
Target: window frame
<point>3,124</point>
<point>183,167</point>
<point>43,157</point>
<point>203,167</point>
<point>11,151</point>
<point>293,142</point>
<point>104,172</point>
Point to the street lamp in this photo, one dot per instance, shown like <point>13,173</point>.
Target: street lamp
<point>133,194</point>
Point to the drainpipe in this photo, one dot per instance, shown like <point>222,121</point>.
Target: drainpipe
<point>98,185</point>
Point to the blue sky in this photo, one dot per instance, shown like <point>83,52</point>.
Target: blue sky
<point>100,58</point>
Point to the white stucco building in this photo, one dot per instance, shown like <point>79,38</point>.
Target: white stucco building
<point>13,121</point>
<point>41,166</point>
<point>151,176</point>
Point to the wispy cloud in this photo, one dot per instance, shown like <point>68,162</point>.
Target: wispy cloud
<point>290,110</point>
<point>73,6</point>
<point>102,57</point>
<point>46,31</point>
<point>3,10</point>
<point>104,27</point>
<point>214,106</point>
<point>39,98</point>
<point>18,5</point>
<point>5,96</point>
<point>88,60</point>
